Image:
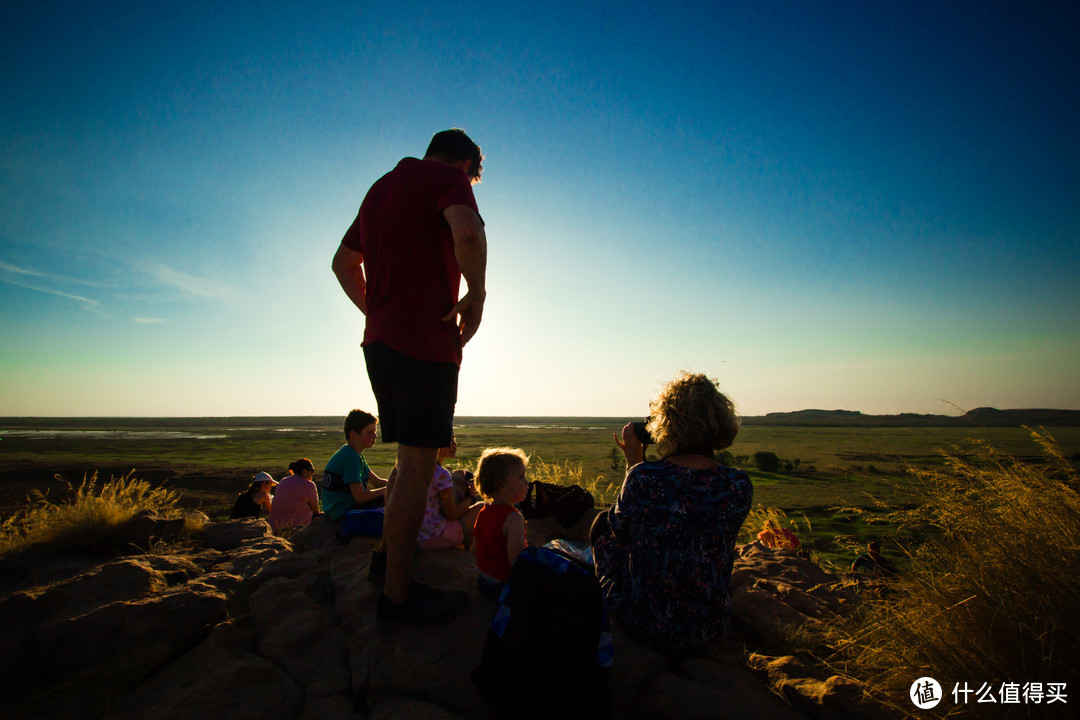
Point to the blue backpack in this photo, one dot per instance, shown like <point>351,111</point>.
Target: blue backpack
<point>552,624</point>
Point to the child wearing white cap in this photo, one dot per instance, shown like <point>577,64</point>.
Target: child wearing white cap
<point>251,502</point>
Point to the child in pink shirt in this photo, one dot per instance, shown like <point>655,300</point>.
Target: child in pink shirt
<point>447,520</point>
<point>296,499</point>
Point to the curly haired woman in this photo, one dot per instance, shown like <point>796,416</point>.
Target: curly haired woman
<point>665,550</point>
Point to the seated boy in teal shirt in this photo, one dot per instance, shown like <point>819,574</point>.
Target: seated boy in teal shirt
<point>348,482</point>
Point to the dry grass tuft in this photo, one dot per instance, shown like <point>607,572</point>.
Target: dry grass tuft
<point>94,509</point>
<point>993,592</point>
<point>567,473</point>
<point>761,517</point>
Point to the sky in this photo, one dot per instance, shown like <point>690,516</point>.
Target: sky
<point>850,205</point>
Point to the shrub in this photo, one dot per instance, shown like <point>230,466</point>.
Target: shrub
<point>994,586</point>
<point>766,461</point>
<point>88,516</point>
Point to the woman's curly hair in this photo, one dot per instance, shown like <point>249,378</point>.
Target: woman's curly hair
<point>690,413</point>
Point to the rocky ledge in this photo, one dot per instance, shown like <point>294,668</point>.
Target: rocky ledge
<point>249,625</point>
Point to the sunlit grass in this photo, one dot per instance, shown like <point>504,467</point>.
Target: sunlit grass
<point>760,518</point>
<point>565,473</point>
<point>83,520</point>
<point>570,473</point>
<point>993,589</point>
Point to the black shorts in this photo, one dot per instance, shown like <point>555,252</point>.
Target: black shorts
<point>416,397</point>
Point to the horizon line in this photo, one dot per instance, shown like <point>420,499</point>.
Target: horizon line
<point>584,417</point>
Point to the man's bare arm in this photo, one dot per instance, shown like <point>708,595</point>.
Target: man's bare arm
<point>348,266</point>
<point>470,250</point>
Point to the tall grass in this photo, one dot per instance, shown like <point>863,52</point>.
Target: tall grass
<point>993,593</point>
<point>567,473</point>
<point>760,518</point>
<point>83,520</point>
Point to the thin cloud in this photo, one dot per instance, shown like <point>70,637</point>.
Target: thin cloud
<point>198,287</point>
<point>53,277</point>
<point>149,320</point>
<point>18,270</point>
<point>50,291</point>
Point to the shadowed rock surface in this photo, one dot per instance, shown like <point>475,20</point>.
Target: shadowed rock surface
<point>248,625</point>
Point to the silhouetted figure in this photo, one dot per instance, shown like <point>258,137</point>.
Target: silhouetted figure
<point>665,550</point>
<point>417,234</point>
<point>872,562</point>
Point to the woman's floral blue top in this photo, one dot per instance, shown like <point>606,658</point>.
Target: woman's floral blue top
<point>665,566</point>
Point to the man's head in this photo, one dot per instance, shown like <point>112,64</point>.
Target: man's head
<point>453,147</point>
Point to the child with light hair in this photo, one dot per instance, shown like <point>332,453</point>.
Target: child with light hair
<point>499,533</point>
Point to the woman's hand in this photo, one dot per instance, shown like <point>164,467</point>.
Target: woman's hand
<point>263,498</point>
<point>633,450</point>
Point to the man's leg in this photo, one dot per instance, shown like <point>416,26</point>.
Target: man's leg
<point>381,547</point>
<point>404,515</point>
<point>416,400</point>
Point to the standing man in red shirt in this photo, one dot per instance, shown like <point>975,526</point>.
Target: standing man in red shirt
<point>417,234</point>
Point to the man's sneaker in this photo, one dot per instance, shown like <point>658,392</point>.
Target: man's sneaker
<point>425,606</point>
<point>377,566</point>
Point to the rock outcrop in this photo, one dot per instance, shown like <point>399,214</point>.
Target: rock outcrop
<point>249,625</point>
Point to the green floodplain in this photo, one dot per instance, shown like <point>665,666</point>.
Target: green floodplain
<point>838,472</point>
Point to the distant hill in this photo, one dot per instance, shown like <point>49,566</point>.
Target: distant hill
<point>979,417</point>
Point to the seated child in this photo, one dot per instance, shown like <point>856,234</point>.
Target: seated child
<point>296,499</point>
<point>463,485</point>
<point>499,533</point>
<point>348,481</point>
<point>447,520</point>
<point>251,502</point>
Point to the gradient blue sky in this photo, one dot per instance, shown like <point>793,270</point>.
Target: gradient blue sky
<point>867,206</point>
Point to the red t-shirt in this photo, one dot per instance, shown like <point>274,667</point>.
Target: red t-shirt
<point>489,540</point>
<point>409,265</point>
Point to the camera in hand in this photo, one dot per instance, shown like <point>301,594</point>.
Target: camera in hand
<point>642,433</point>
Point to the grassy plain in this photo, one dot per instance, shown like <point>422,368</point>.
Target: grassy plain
<point>209,460</point>
<point>991,589</point>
